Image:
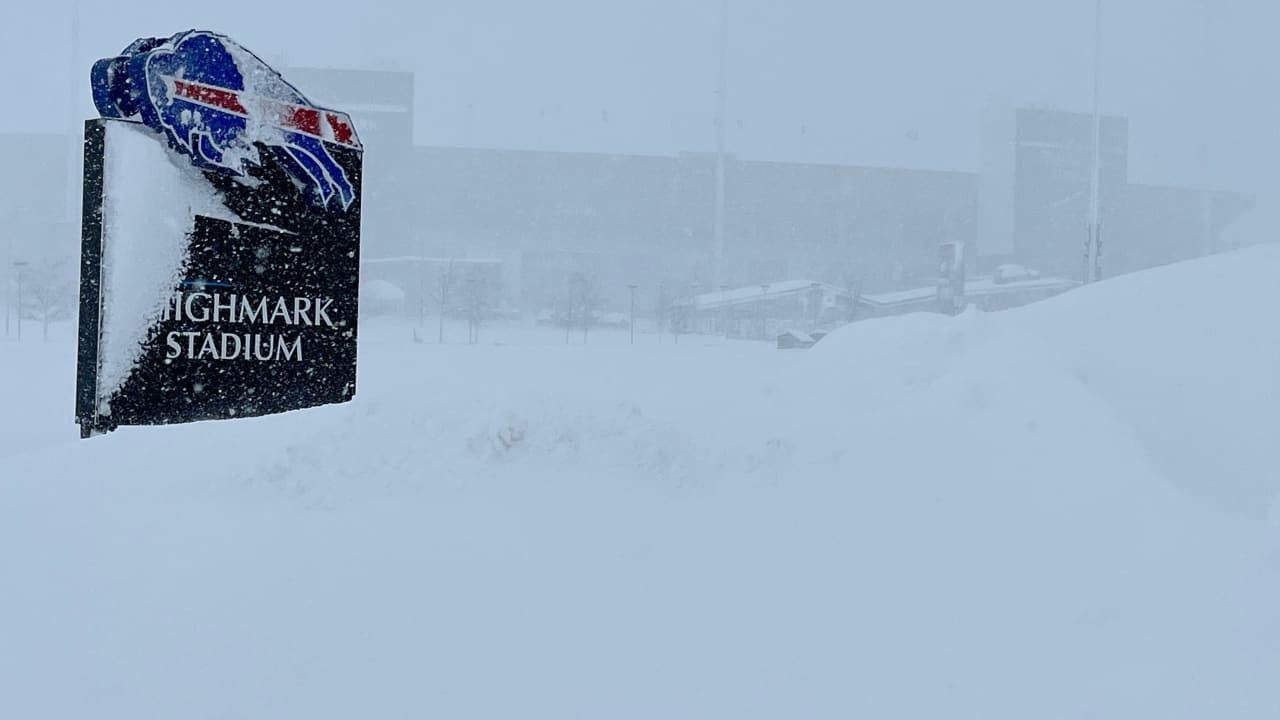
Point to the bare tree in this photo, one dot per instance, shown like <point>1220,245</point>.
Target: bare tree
<point>442,296</point>
<point>584,301</point>
<point>477,296</point>
<point>49,294</point>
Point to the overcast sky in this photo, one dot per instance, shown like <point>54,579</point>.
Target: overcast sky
<point>890,82</point>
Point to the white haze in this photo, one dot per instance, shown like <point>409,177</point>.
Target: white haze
<point>1065,510</point>
<point>870,83</point>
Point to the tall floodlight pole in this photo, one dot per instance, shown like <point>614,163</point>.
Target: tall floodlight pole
<point>722,117</point>
<point>1206,195</point>
<point>74,149</point>
<point>8,293</point>
<point>1093,244</point>
<point>632,288</point>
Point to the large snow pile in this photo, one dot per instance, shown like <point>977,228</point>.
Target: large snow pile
<point>148,214</point>
<point>1055,512</point>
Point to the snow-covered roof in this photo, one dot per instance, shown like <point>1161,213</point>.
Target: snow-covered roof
<point>975,287</point>
<point>755,293</point>
<point>382,291</point>
<point>988,286</point>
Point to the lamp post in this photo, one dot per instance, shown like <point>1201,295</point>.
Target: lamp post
<point>722,121</point>
<point>764,311</point>
<point>632,288</point>
<point>816,300</point>
<point>1206,127</point>
<point>18,265</point>
<point>1093,244</point>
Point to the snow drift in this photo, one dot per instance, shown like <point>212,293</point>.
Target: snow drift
<point>1055,512</point>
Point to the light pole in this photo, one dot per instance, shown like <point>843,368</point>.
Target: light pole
<point>18,265</point>
<point>764,311</point>
<point>632,288</point>
<point>75,148</point>
<point>1206,122</point>
<point>815,299</point>
<point>8,295</point>
<point>1093,244</point>
<point>724,312</point>
<point>722,121</point>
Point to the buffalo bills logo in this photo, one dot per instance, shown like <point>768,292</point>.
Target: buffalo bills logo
<point>220,104</point>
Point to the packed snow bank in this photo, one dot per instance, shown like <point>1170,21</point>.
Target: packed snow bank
<point>148,214</point>
<point>987,516</point>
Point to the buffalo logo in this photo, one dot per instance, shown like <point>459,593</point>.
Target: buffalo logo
<point>217,103</point>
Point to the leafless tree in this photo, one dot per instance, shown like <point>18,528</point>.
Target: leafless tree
<point>49,293</point>
<point>477,296</point>
<point>585,301</point>
<point>443,296</point>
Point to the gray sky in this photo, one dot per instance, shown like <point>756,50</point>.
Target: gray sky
<point>896,82</point>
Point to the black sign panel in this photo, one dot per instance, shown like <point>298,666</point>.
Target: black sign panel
<point>262,321</point>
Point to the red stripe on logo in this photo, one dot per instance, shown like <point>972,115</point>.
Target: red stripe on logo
<point>342,130</point>
<point>302,118</point>
<point>217,97</point>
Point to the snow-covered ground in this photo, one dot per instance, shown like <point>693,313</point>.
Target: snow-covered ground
<point>1063,511</point>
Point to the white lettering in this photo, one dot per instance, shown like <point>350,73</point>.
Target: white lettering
<point>257,347</point>
<point>301,306</point>
<point>228,354</point>
<point>253,313</point>
<point>282,310</point>
<point>284,352</point>
<point>219,306</point>
<point>175,349</point>
<point>203,317</point>
<point>209,346</point>
<point>321,312</point>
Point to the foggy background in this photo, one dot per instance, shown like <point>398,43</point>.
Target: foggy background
<point>866,83</point>
<point>898,86</point>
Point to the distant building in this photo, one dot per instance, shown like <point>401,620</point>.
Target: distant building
<point>763,311</point>
<point>33,192</point>
<point>988,293</point>
<point>1033,196</point>
<point>539,217</point>
<point>648,219</point>
<point>1034,186</point>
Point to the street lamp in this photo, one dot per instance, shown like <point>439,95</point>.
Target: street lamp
<point>724,312</point>
<point>816,300</point>
<point>632,288</point>
<point>1093,245</point>
<point>722,95</point>
<point>18,266</point>
<point>764,311</point>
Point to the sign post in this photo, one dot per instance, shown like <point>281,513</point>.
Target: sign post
<point>220,238</point>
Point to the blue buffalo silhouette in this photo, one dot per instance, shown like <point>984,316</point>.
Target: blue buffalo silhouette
<point>218,103</point>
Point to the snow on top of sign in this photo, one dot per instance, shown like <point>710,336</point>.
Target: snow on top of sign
<point>148,215</point>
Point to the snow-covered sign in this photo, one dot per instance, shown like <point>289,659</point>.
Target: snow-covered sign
<point>221,238</point>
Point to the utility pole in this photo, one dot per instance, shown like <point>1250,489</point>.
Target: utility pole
<point>8,294</point>
<point>1093,243</point>
<point>568,311</point>
<point>422,283</point>
<point>446,289</point>
<point>18,265</point>
<point>722,122</point>
<point>632,288</point>
<point>1206,129</point>
<point>764,311</point>
<point>75,149</point>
